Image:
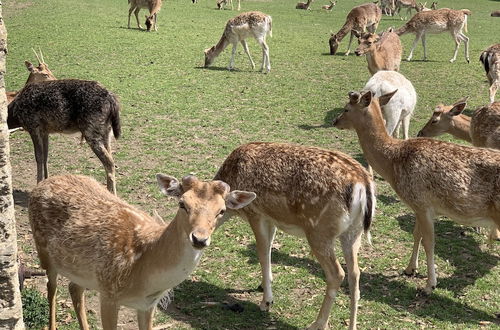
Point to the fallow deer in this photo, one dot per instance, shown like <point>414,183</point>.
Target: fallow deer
<point>222,3</point>
<point>250,24</point>
<point>408,4</point>
<point>491,62</point>
<point>100,242</point>
<point>432,177</point>
<point>153,6</point>
<point>310,192</point>
<point>495,13</point>
<point>422,7</point>
<point>330,6</point>
<point>434,5</point>
<point>438,21</point>
<point>360,19</point>
<point>388,7</point>
<point>304,5</point>
<point>68,106</point>
<point>383,52</point>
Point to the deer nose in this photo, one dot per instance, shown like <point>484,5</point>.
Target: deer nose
<point>357,53</point>
<point>199,242</point>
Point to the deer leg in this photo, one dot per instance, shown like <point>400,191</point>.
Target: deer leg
<point>349,47</point>
<point>109,313</point>
<point>136,13</point>
<point>426,226</point>
<point>264,235</point>
<point>424,45</point>
<point>350,246</point>
<point>239,5</point>
<point>231,61</point>
<point>78,299</point>
<point>406,126</point>
<point>99,148</point>
<point>38,146</point>
<point>156,19</point>
<point>417,37</point>
<point>131,9</point>
<point>266,63</point>
<point>245,48</point>
<point>45,141</point>
<point>391,124</point>
<point>145,319</point>
<point>51,296</point>
<point>417,237</point>
<point>465,39</point>
<point>457,45</point>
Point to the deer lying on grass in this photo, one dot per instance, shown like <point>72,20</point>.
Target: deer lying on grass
<point>360,18</point>
<point>383,52</point>
<point>251,24</point>
<point>222,3</point>
<point>330,6</point>
<point>310,192</point>
<point>68,106</point>
<point>495,13</point>
<point>491,62</point>
<point>432,177</point>
<point>100,242</point>
<point>408,4</point>
<point>153,6</point>
<point>304,5</point>
<point>438,21</point>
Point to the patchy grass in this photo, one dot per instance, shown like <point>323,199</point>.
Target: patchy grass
<point>179,118</point>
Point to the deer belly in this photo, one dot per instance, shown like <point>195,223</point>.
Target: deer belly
<point>437,27</point>
<point>290,229</point>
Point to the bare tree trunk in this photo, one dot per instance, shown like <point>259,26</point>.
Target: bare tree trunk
<point>11,312</point>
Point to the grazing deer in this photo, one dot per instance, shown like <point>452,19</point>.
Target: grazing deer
<point>432,177</point>
<point>304,5</point>
<point>153,6</point>
<point>388,7</point>
<point>383,52</point>
<point>438,21</point>
<point>408,4</point>
<point>250,24</point>
<point>222,3</point>
<point>491,61</point>
<point>360,19</point>
<point>100,242</point>
<point>330,6</point>
<point>310,192</point>
<point>495,13</point>
<point>68,106</point>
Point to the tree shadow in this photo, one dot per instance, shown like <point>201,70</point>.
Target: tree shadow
<point>206,306</point>
<point>327,121</point>
<point>21,197</point>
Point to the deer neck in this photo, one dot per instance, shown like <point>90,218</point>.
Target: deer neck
<point>344,30</point>
<point>461,127</point>
<point>375,59</point>
<point>221,45</point>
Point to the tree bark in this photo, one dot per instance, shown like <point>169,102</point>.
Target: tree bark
<point>11,312</point>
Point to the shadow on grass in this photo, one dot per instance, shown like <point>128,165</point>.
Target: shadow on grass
<point>21,197</point>
<point>206,306</point>
<point>327,121</point>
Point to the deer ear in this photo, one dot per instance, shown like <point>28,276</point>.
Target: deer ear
<point>457,109</point>
<point>29,66</point>
<point>384,99</point>
<point>237,199</point>
<point>366,98</point>
<point>169,185</point>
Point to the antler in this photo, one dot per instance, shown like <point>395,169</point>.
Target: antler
<point>38,58</point>
<point>41,55</point>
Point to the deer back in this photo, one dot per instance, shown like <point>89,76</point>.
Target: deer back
<point>485,126</point>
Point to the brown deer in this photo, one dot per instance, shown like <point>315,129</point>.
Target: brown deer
<point>68,106</point>
<point>304,5</point>
<point>153,6</point>
<point>491,62</point>
<point>495,13</point>
<point>330,6</point>
<point>432,177</point>
<point>250,24</point>
<point>387,7</point>
<point>360,18</point>
<point>438,21</point>
<point>408,4</point>
<point>310,192</point>
<point>222,3</point>
<point>383,52</point>
<point>100,242</point>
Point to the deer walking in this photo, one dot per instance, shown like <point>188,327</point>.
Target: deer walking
<point>250,24</point>
<point>310,192</point>
<point>100,242</point>
<point>491,62</point>
<point>153,6</point>
<point>432,177</point>
<point>360,18</point>
<point>438,21</point>
<point>383,52</point>
<point>68,106</point>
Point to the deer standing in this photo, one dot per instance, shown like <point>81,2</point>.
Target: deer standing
<point>68,106</point>
<point>383,52</point>
<point>330,6</point>
<point>408,4</point>
<point>310,192</point>
<point>438,21</point>
<point>222,3</point>
<point>250,24</point>
<point>432,177</point>
<point>360,18</point>
<point>100,242</point>
<point>491,62</point>
<point>153,6</point>
<point>388,7</point>
<point>304,5</point>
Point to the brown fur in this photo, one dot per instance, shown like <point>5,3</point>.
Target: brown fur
<point>382,52</point>
<point>432,177</point>
<point>304,5</point>
<point>495,13</point>
<point>491,62</point>
<point>408,4</point>
<point>153,6</point>
<point>304,191</point>
<point>330,6</point>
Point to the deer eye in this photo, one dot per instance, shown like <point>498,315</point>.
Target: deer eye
<point>221,213</point>
<point>182,205</point>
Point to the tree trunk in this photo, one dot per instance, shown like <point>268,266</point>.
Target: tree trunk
<point>11,312</point>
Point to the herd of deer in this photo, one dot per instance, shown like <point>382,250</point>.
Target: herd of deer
<point>87,234</point>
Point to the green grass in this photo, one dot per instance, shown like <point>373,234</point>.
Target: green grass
<point>179,118</point>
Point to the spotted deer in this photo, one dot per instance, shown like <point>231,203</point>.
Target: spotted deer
<point>68,106</point>
<point>361,18</point>
<point>304,5</point>
<point>490,59</point>
<point>250,24</point>
<point>388,7</point>
<point>330,6</point>
<point>432,177</point>
<point>99,242</point>
<point>153,6</point>
<point>438,21</point>
<point>383,52</point>
<point>408,4</point>
<point>309,192</point>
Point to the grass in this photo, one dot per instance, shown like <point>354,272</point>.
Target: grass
<point>179,118</point>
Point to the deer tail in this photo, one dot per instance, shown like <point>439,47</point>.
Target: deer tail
<point>115,115</point>
<point>270,22</point>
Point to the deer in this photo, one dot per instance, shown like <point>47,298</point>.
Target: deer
<point>100,242</point>
<point>422,7</point>
<point>360,18</point>
<point>438,21</point>
<point>304,5</point>
<point>153,6</point>
<point>309,192</point>
<point>68,106</point>
<point>37,73</point>
<point>490,58</point>
<point>408,4</point>
<point>239,28</point>
<point>383,52</point>
<point>222,3</point>
<point>432,177</point>
<point>387,7</point>
<point>330,6</point>
<point>495,13</point>
<point>434,5</point>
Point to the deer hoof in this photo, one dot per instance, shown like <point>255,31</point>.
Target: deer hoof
<point>265,306</point>
<point>409,272</point>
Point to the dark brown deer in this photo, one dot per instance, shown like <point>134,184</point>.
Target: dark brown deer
<point>68,106</point>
